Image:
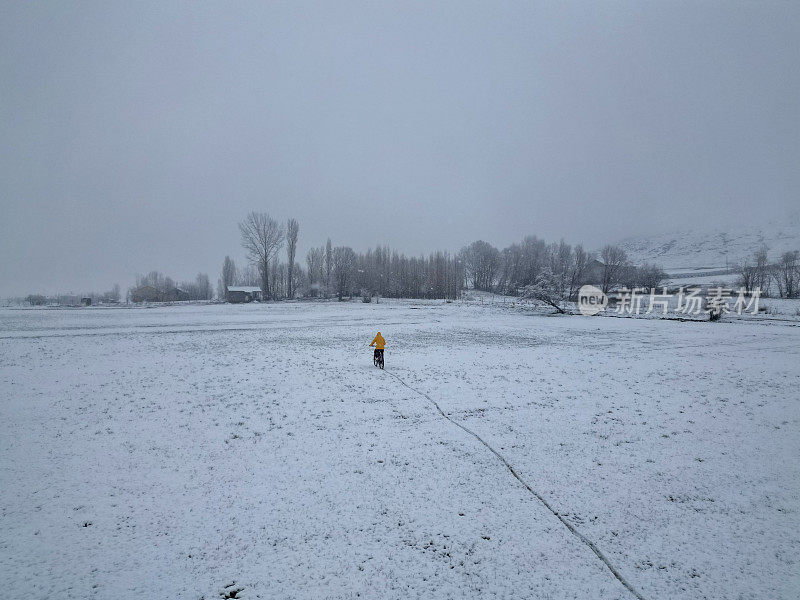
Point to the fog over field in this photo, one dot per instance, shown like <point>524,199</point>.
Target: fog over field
<point>137,135</point>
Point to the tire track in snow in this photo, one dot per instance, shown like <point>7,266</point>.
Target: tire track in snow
<point>572,529</point>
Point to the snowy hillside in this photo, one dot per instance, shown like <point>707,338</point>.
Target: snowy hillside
<point>713,249</point>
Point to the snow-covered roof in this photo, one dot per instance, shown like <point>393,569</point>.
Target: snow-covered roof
<point>249,289</point>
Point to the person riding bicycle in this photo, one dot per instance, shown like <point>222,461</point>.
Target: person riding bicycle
<point>379,344</point>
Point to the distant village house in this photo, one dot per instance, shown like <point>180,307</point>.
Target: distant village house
<point>237,294</point>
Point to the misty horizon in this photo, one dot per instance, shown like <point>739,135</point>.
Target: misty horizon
<point>137,137</point>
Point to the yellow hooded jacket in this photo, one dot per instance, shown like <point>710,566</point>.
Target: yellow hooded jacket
<point>378,342</point>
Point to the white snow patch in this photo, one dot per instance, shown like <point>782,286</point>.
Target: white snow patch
<point>175,451</point>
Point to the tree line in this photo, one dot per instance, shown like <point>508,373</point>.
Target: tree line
<point>339,271</point>
<point>334,271</point>
<point>781,276</point>
<point>112,296</point>
<point>551,272</point>
<point>199,289</point>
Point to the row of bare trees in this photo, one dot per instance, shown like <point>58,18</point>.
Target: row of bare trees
<point>558,267</point>
<point>111,296</point>
<point>342,272</point>
<point>199,289</point>
<point>781,276</point>
<point>335,271</point>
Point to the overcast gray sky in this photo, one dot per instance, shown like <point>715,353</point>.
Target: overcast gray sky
<point>135,136</point>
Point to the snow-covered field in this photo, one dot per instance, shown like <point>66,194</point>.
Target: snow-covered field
<point>170,452</point>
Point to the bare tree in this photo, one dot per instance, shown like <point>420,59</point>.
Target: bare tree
<point>344,260</point>
<point>651,276</point>
<point>262,238</point>
<point>154,279</point>
<point>199,289</point>
<point>762,270</point>
<point>559,258</point>
<point>614,259</point>
<point>162,284</point>
<point>482,261</point>
<point>298,278</point>
<point>787,273</point>
<point>328,266</point>
<point>292,229</point>
<point>203,287</point>
<point>227,278</point>
<point>522,263</point>
<point>577,272</point>
<point>747,275</point>
<point>315,262</point>
<point>277,274</point>
<point>248,276</point>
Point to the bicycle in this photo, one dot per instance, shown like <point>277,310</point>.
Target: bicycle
<point>377,358</point>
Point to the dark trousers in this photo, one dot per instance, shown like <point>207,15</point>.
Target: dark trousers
<point>378,354</point>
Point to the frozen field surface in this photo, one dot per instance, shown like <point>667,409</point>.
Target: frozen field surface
<point>192,451</point>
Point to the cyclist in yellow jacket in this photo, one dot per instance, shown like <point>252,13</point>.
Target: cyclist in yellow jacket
<point>379,344</point>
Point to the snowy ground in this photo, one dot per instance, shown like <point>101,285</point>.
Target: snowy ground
<point>170,452</point>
